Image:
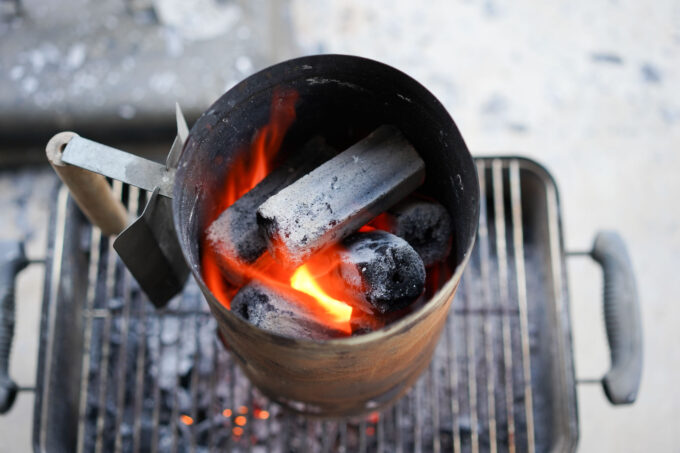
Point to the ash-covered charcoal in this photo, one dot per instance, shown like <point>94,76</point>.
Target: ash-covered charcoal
<point>341,195</point>
<point>382,270</point>
<point>235,233</point>
<point>425,225</point>
<point>278,313</point>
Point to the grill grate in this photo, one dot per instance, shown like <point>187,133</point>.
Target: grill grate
<point>159,380</point>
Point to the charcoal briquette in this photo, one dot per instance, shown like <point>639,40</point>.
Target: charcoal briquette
<point>338,197</point>
<point>278,312</point>
<point>235,232</point>
<point>381,270</point>
<point>425,225</point>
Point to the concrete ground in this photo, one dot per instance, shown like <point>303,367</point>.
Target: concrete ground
<point>587,88</point>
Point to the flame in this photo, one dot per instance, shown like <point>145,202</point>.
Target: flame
<point>316,285</point>
<point>244,174</point>
<point>339,312</point>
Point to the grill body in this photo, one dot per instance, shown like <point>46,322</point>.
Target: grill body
<point>116,374</point>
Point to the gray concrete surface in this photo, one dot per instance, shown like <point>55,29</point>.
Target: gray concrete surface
<point>587,88</point>
<point>120,65</point>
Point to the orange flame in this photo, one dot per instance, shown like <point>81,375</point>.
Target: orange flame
<point>317,284</point>
<point>244,174</point>
<point>339,312</point>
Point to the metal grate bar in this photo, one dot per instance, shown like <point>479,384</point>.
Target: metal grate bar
<point>362,436</point>
<point>214,409</point>
<point>472,376</point>
<point>560,303</point>
<point>485,258</point>
<point>501,251</point>
<point>518,238</point>
<point>175,401</point>
<point>418,425</point>
<point>399,447</point>
<point>141,198</point>
<point>157,389</point>
<point>133,196</point>
<point>194,384</point>
<point>95,241</point>
<point>231,401</point>
<point>141,355</point>
<point>434,398</point>
<point>380,432</point>
<point>453,383</point>
<point>343,437</point>
<point>106,336</point>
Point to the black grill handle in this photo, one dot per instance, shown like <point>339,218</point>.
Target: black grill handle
<point>622,318</point>
<point>12,260</point>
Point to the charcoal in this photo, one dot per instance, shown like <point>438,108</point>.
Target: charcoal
<point>382,270</point>
<point>235,233</point>
<point>278,313</point>
<point>425,225</point>
<point>341,195</point>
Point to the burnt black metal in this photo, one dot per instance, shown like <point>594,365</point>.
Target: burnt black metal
<point>12,260</point>
<point>129,375</point>
<point>150,250</point>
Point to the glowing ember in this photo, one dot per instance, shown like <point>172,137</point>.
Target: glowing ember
<point>263,415</point>
<point>226,413</point>
<point>340,313</point>
<point>186,419</point>
<point>241,420</point>
<point>237,431</point>
<point>243,410</point>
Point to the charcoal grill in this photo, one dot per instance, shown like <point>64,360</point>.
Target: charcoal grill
<point>117,374</point>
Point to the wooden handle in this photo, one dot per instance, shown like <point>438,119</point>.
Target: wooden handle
<point>90,190</point>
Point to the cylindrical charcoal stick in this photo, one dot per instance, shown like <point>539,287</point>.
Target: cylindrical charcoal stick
<point>338,197</point>
<point>235,234</point>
